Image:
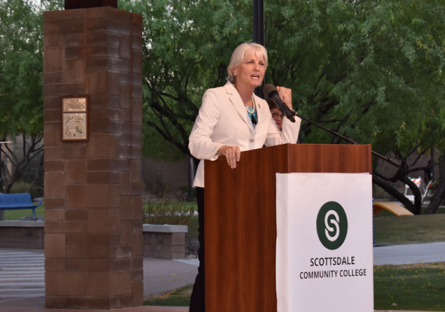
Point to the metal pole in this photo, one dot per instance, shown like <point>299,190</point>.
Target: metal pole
<point>258,21</point>
<point>258,32</point>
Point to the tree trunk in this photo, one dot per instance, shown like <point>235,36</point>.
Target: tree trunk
<point>417,196</point>
<point>37,174</point>
<point>8,185</point>
<point>392,191</point>
<point>401,175</point>
<point>438,194</point>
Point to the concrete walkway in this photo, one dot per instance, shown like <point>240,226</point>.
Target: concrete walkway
<point>408,254</point>
<point>162,276</point>
<point>22,274</point>
<point>22,286</point>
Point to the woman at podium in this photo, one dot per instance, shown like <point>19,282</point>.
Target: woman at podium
<point>233,119</point>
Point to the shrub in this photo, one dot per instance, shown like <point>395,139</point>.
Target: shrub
<point>23,187</point>
<point>165,213</point>
<point>154,181</point>
<point>185,189</point>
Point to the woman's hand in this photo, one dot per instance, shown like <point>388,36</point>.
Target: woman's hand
<point>285,96</point>
<point>232,154</point>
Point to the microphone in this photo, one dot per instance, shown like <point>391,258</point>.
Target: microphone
<point>271,92</point>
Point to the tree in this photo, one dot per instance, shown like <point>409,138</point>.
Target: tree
<point>370,70</point>
<point>186,48</point>
<point>440,190</point>
<point>21,88</point>
<point>358,67</point>
<point>379,77</point>
<point>29,148</point>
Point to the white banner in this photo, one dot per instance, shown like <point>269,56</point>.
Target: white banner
<point>324,242</point>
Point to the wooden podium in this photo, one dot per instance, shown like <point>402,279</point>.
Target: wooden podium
<point>240,219</point>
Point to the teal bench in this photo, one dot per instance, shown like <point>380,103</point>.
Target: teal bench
<point>18,201</point>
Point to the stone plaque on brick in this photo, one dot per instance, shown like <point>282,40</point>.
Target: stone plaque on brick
<point>75,118</point>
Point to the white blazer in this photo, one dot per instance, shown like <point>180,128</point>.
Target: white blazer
<point>223,120</point>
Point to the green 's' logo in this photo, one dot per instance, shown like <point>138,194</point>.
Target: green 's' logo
<point>332,225</point>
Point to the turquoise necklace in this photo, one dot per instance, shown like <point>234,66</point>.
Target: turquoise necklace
<point>251,112</point>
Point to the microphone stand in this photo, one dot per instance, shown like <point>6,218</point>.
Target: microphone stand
<point>348,140</point>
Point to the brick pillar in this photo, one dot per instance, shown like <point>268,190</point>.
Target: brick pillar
<point>93,190</point>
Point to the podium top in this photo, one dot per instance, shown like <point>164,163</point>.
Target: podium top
<point>286,158</point>
<point>84,4</point>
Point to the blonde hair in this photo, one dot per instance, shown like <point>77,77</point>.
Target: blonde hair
<point>241,52</point>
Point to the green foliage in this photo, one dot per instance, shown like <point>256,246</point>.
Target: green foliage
<point>21,66</point>
<point>372,71</point>
<point>156,148</point>
<point>362,67</point>
<point>191,192</point>
<point>410,287</point>
<point>23,187</point>
<point>165,213</point>
<point>21,87</point>
<point>21,69</point>
<point>187,45</point>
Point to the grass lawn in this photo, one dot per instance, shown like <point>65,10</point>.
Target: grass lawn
<point>17,214</point>
<point>392,230</point>
<point>179,297</point>
<point>418,287</point>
